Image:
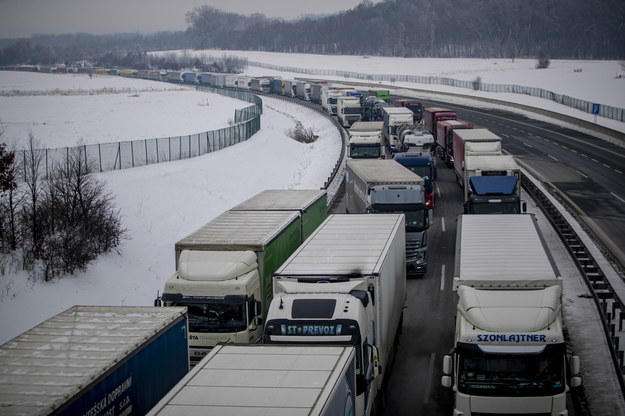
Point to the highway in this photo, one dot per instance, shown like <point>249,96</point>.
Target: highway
<point>588,170</point>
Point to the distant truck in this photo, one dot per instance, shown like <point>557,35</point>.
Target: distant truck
<point>329,100</point>
<point>95,360</point>
<point>509,355</point>
<point>384,186</point>
<point>413,105</point>
<point>267,380</point>
<point>223,270</point>
<point>414,138</point>
<point>302,90</point>
<point>365,140</point>
<point>315,92</point>
<point>444,139</point>
<point>346,285</point>
<point>394,118</point>
<point>424,165</point>
<point>348,110</point>
<point>433,115</point>
<point>492,185</point>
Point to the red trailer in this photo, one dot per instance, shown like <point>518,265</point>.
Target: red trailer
<point>444,141</point>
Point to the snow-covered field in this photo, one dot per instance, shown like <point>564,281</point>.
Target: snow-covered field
<point>162,203</point>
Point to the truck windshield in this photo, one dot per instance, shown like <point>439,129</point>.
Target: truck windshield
<point>479,207</point>
<point>415,220</point>
<point>363,151</point>
<point>351,110</point>
<point>511,374</point>
<point>214,316</point>
<point>424,171</point>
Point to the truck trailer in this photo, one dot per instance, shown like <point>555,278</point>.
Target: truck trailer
<point>385,186</point>
<point>95,360</point>
<point>223,275</point>
<point>492,185</point>
<point>472,142</point>
<point>346,285</point>
<point>444,139</point>
<point>276,380</point>
<point>433,115</point>
<point>365,140</point>
<point>509,355</point>
<point>424,165</point>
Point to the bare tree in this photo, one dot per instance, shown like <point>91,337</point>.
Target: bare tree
<point>9,197</point>
<point>32,178</point>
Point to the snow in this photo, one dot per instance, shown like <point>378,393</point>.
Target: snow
<point>162,203</point>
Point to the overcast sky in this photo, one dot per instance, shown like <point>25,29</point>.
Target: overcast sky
<point>23,18</point>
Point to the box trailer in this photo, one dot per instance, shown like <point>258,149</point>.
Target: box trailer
<point>267,380</point>
<point>95,360</point>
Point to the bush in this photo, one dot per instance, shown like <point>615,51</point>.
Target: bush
<point>542,62</point>
<point>477,83</point>
<point>301,134</point>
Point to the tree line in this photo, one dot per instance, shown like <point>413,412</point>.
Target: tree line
<point>573,29</point>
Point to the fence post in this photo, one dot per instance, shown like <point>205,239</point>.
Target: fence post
<point>145,141</point>
<point>100,156</point>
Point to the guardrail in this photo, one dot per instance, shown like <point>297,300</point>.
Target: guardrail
<point>602,110</point>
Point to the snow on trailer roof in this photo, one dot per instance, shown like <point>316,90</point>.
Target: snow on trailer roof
<point>281,199</point>
<point>51,363</point>
<point>384,172</point>
<point>330,250</point>
<point>502,250</point>
<point>490,162</point>
<point>476,135</point>
<point>248,230</point>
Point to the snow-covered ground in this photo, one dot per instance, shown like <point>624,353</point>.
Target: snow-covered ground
<point>162,203</point>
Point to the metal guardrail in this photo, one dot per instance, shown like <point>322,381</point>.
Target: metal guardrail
<point>602,110</point>
<point>607,300</point>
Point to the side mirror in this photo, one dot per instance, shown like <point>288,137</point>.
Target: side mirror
<point>158,301</point>
<point>446,381</point>
<point>576,382</point>
<point>575,366</point>
<point>523,207</point>
<point>447,365</point>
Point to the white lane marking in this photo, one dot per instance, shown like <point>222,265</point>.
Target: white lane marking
<point>442,277</point>
<point>613,194</point>
<point>582,174</point>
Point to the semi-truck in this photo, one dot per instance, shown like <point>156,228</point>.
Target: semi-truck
<point>424,165</point>
<point>223,273</point>
<point>444,138</point>
<point>95,360</point>
<point>413,105</point>
<point>384,186</point>
<point>313,380</point>
<point>346,285</point>
<point>329,100</point>
<point>348,110</point>
<point>510,354</point>
<point>432,115</point>
<point>492,185</point>
<point>414,138</point>
<point>365,140</point>
<point>472,142</point>
<point>394,118</point>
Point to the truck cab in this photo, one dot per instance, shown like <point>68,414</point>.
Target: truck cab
<point>424,165</point>
<point>494,195</point>
<point>365,140</point>
<point>348,110</point>
<point>221,290</point>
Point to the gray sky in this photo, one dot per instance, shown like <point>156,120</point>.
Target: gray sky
<point>22,18</point>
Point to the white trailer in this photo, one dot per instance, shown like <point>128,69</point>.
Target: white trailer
<point>365,140</point>
<point>271,380</point>
<point>475,142</point>
<point>509,355</point>
<point>346,285</point>
<point>348,110</point>
<point>329,99</point>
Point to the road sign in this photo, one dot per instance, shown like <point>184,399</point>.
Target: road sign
<point>596,108</point>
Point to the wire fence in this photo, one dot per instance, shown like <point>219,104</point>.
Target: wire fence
<point>128,154</point>
<point>610,112</point>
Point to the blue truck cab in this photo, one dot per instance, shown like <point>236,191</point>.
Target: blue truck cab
<point>494,195</point>
<point>424,165</point>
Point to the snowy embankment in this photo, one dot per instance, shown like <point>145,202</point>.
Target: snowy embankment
<point>162,203</point>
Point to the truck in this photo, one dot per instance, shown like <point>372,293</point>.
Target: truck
<point>444,140</point>
<point>424,165</point>
<point>315,92</point>
<point>223,275</point>
<point>413,105</point>
<point>365,140</point>
<point>433,115</point>
<point>346,285</point>
<point>348,110</point>
<point>472,142</point>
<point>385,186</point>
<point>311,204</point>
<point>492,185</point>
<point>510,354</point>
<point>310,380</point>
<point>329,100</point>
<point>371,108</point>
<point>302,90</point>
<point>394,118</point>
<point>95,360</point>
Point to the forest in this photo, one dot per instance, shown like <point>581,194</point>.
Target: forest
<point>557,29</point>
